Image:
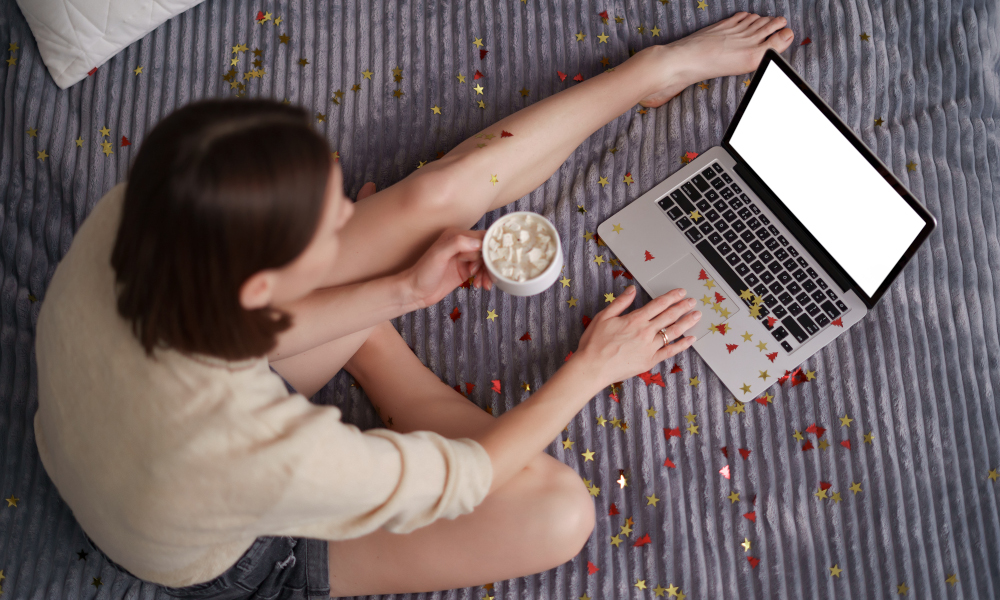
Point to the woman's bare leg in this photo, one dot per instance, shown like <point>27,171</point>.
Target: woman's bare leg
<point>540,519</point>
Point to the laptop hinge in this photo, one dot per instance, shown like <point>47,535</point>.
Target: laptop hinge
<point>818,252</point>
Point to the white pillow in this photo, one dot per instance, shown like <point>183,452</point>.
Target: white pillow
<point>74,36</point>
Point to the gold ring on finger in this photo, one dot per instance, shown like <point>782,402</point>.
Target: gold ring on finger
<point>663,333</point>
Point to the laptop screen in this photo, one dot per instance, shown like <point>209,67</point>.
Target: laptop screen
<point>822,179</point>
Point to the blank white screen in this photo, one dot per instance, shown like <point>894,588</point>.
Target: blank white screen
<point>824,181</point>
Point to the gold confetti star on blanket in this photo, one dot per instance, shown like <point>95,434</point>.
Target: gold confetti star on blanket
<point>641,29</point>
<point>478,42</point>
<point>277,21</point>
<point>703,85</point>
<point>702,4</point>
<point>690,417</point>
<point>266,17</point>
<point>303,62</point>
<point>367,74</point>
<point>42,155</point>
<point>835,571</point>
<point>878,122</point>
<point>491,315</point>
<point>823,444</point>
<point>104,132</point>
<point>993,475</point>
<point>855,487</point>
<point>494,180</point>
<point>436,109</point>
<point>571,302</point>
<point>32,132</point>
<point>652,500</point>
<point>746,82</point>
<point>138,70</point>
<point>736,408</point>
<point>580,36</point>
<point>615,540</point>
<point>952,579</point>
<point>746,544</point>
<point>692,429</point>
<point>911,166</point>
<point>398,93</point>
<point>97,582</point>
<point>12,501</point>
<point>835,497</point>
<point>901,589</point>
<point>421,163</point>
<point>621,481</point>
<point>651,412</point>
<point>603,39</point>
<point>11,61</point>
<point>798,436</point>
<point>460,77</point>
<point>869,437</point>
<point>599,259</point>
<point>658,590</point>
<point>734,497</point>
<point>845,420</point>
<point>694,381</point>
<point>320,117</point>
<point>820,493</point>
<point>580,209</point>
<point>11,48</point>
<point>673,590</point>
<point>479,89</point>
<point>588,236</point>
<point>588,455</point>
<point>603,181</point>
<point>79,142</point>
<point>283,39</point>
<point>106,148</point>
<point>655,31</point>
<point>865,37</point>
<point>567,444</point>
<point>525,386</point>
<point>525,92</point>
<point>601,420</point>
<point>565,281</point>
<point>628,179</point>
<point>640,583</point>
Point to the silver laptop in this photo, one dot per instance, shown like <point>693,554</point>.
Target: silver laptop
<point>787,233</point>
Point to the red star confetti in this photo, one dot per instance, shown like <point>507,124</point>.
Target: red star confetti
<point>753,561</point>
<point>482,53</point>
<point>751,516</point>
<point>846,444</point>
<point>591,568</point>
<point>496,385</point>
<point>669,433</point>
<point>642,541</point>
<point>125,142</point>
<point>676,369</point>
<point>732,347</point>
<point>702,275</point>
<point>669,463</point>
<point>719,297</point>
<point>649,378</point>
<point>455,314</point>
<point>585,320</point>
<point>578,77</point>
<point>92,71</point>
<point>807,446</point>
<point>724,471</point>
<point>819,431</point>
<point>745,453</point>
<point>649,256</point>
<point>772,356</point>
<point>562,76</point>
<point>478,75</point>
<point>504,134</point>
<point>613,510</point>
<point>839,322</point>
<point>526,337</point>
<point>806,41</point>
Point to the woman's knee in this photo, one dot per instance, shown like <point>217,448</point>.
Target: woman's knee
<point>568,511</point>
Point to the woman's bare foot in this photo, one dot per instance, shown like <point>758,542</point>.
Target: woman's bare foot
<point>730,47</point>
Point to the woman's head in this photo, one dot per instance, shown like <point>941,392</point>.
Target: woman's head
<point>231,208</point>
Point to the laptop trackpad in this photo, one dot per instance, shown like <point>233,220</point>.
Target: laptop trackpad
<point>715,306</point>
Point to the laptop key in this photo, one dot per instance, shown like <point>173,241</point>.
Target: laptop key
<point>757,266</point>
<point>795,329</point>
<point>700,182</point>
<point>715,238</point>
<point>794,309</point>
<point>802,262</point>
<point>757,247</point>
<point>830,309</point>
<point>770,300</point>
<point>682,201</point>
<point>782,239</point>
<point>712,215</point>
<point>789,264</point>
<point>764,219</point>
<point>744,213</point>
<point>818,296</point>
<point>812,272</point>
<point>785,297</point>
<point>733,259</point>
<point>766,277</point>
<point>708,173</point>
<point>774,267</point>
<point>777,289</point>
<point>738,226</point>
<point>703,205</point>
<point>760,290</point>
<point>729,216</point>
<point>821,283</point>
<point>771,243</point>
<point>693,234</point>
<point>803,298</point>
<point>712,196</point>
<point>720,205</point>
<point>809,285</point>
<point>813,310</point>
<point>666,203</point>
<point>739,246</point>
<point>706,227</point>
<point>841,306</point>
<point>748,236</point>
<point>751,279</point>
<point>675,213</point>
<point>793,287</point>
<point>786,346</point>
<point>753,224</point>
<point>722,226</point>
<point>683,223</point>
<point>779,334</point>
<point>779,311</point>
<point>763,233</point>
<point>808,324</point>
<point>724,248</point>
<point>735,204</point>
<point>780,254</point>
<point>773,230</point>
<point>726,193</point>
<point>754,209</point>
<point>736,188</point>
<point>718,183</point>
<point>793,251</point>
<point>717,167</point>
<point>800,275</point>
<point>822,320</point>
<point>831,294</point>
<point>727,177</point>
<point>748,256</point>
<point>742,269</point>
<point>690,190</point>
<point>730,235</point>
<point>765,255</point>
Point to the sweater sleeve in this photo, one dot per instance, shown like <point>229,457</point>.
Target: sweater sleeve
<point>331,480</point>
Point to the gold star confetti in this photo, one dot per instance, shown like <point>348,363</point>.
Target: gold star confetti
<point>618,19</point>
<point>835,497</point>
<point>421,163</point>
<point>617,228</point>
<point>367,74</point>
<point>580,209</point>
<point>703,85</point>
<point>672,590</point>
<point>655,31</point>
<point>303,62</point>
<point>692,429</point>
<point>106,148</point>
<point>658,590</point>
<point>571,301</point>
<point>494,180</point>
<point>640,583</point>
<point>478,42</point>
<point>615,540</point>
<point>798,436</point>
<point>762,345</point>
<point>436,109</point>
<point>479,89</point>
<point>734,497</point>
<point>869,437</point>
<point>641,29</point>
<point>746,83</point>
<point>820,493</point>
<point>11,61</point>
<point>695,215</point>
<point>599,259</point>
<point>609,297</point>
<point>138,70</point>
<point>901,589</point>
<point>651,412</point>
<point>565,281</point>
<point>835,571</point>
<point>745,388</point>
<point>398,93</point>
<point>952,579</point>
<point>567,444</point>
<point>694,381</point>
<point>621,481</point>
<point>855,487</point>
<point>702,4</point>
<point>588,455</point>
<point>580,36</point>
<point>491,315</point>
<point>601,420</point>
<point>736,408</point>
<point>525,91</point>
<point>320,117</point>
<point>865,37</point>
<point>746,544</point>
<point>845,420</point>
<point>283,39</point>
<point>11,48</point>
<point>763,374</point>
<point>32,132</point>
<point>823,444</point>
<point>525,386</point>
<point>277,21</point>
<point>709,284</point>
<point>594,491</point>
<point>79,142</point>
<point>878,122</point>
<point>461,78</point>
<point>911,166</point>
<point>629,180</point>
<point>810,375</point>
<point>12,501</point>
<point>42,155</point>
<point>690,417</point>
<point>993,475</point>
<point>768,397</point>
<point>588,236</point>
<point>652,500</point>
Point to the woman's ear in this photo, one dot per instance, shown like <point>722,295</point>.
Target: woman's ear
<point>257,290</point>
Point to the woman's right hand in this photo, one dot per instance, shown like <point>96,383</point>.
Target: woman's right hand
<point>622,346</point>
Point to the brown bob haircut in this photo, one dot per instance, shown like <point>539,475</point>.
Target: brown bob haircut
<point>219,190</point>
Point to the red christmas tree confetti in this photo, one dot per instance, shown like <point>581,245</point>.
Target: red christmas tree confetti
<point>613,510</point>
<point>482,53</point>
<point>478,75</point>
<point>260,15</point>
<point>724,471</point>
<point>562,76</point>
<point>721,328</point>
<point>669,433</point>
<point>649,378</point>
<point>568,356</point>
<point>719,297</point>
<point>469,387</point>
<point>591,568</point>
<point>772,356</point>
<point>467,284</point>
<point>839,322</point>
<point>688,157</point>
<point>745,453</point>
<point>585,320</point>
<point>807,446</point>
<point>504,134</point>
<point>125,142</point>
<point>825,485</point>
<point>771,321</point>
<point>627,275</point>
<point>732,347</point>
<point>649,256</point>
<point>455,314</point>
<point>496,385</point>
<point>526,337</point>
<point>603,14</point>
<point>725,451</point>
<point>669,463</point>
<point>751,516</point>
<point>753,561</point>
<point>616,272</point>
<point>642,541</point>
<point>846,444</point>
<point>92,71</point>
<point>578,77</point>
<point>805,41</point>
<point>819,431</point>
<point>761,400</point>
<point>702,275</point>
<point>676,369</point>
<point>614,397</point>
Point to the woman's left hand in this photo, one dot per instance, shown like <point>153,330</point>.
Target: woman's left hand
<point>453,258</point>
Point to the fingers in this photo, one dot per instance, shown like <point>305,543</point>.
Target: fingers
<point>676,329</point>
<point>618,305</point>
<point>673,348</point>
<point>660,303</point>
<point>674,312</point>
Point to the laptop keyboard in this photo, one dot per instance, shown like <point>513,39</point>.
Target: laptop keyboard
<point>792,300</point>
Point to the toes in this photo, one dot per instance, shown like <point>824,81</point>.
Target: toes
<point>748,21</point>
<point>771,25</point>
<point>736,18</point>
<point>781,40</point>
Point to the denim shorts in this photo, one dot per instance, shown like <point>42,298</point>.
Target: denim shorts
<point>279,568</point>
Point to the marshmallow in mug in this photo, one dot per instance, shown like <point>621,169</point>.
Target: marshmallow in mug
<point>521,248</point>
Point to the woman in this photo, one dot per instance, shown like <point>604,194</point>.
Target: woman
<point>231,250</point>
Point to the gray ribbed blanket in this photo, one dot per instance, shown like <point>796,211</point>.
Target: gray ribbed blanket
<point>918,374</point>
